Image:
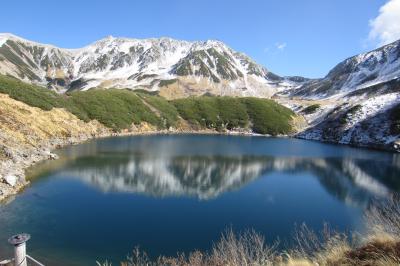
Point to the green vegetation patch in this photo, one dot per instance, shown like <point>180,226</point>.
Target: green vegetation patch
<point>118,109</point>
<point>311,109</point>
<point>146,76</point>
<point>269,117</point>
<point>167,82</point>
<point>261,115</point>
<point>167,111</point>
<point>30,94</point>
<point>213,112</point>
<point>354,109</point>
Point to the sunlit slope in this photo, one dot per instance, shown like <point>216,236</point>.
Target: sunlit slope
<point>122,109</point>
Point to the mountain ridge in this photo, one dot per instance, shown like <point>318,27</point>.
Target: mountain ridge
<point>201,66</point>
<point>356,103</point>
<point>356,72</point>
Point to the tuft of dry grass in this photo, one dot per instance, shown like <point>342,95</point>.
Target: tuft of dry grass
<point>383,219</point>
<point>321,248</point>
<point>246,249</point>
<point>380,246</point>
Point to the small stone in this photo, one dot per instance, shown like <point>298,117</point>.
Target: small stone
<point>11,180</point>
<point>53,156</point>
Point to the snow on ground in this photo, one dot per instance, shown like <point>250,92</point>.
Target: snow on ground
<point>112,61</point>
<point>3,39</point>
<point>372,106</point>
<point>369,108</point>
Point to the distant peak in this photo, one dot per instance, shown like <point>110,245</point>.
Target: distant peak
<point>4,37</point>
<point>110,38</point>
<point>106,39</point>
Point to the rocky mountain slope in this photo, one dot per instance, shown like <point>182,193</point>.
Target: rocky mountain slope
<point>175,68</point>
<point>357,103</point>
<point>358,72</point>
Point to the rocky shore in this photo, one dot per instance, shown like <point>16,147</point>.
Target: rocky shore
<point>18,159</point>
<point>12,168</point>
<point>28,135</point>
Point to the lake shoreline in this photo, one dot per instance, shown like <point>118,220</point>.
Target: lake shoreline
<point>168,175</point>
<point>16,169</point>
<point>14,176</point>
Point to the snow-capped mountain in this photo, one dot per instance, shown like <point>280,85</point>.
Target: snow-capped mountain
<point>357,103</point>
<point>367,117</point>
<point>176,68</point>
<point>357,72</point>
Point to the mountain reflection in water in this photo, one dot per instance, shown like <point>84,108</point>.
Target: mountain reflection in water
<point>354,181</point>
<point>177,193</point>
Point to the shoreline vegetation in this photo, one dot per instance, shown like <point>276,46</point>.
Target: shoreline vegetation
<point>13,183</point>
<point>379,245</point>
<point>34,121</point>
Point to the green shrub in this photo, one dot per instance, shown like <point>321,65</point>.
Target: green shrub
<point>261,115</point>
<point>232,112</point>
<point>311,109</point>
<point>114,108</point>
<point>189,110</point>
<point>213,112</point>
<point>118,109</point>
<point>167,82</point>
<point>268,117</point>
<point>354,109</point>
<point>144,91</point>
<point>30,94</point>
<point>166,110</point>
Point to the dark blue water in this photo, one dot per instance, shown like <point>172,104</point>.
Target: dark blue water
<point>177,193</point>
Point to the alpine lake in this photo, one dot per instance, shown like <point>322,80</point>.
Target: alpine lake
<point>169,194</point>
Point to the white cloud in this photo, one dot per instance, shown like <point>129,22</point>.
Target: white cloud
<point>385,28</point>
<point>275,49</point>
<point>280,46</point>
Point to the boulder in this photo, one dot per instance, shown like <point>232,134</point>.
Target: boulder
<point>11,180</point>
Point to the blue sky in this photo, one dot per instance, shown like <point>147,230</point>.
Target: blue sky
<point>289,37</point>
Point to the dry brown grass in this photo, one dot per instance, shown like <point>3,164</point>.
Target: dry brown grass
<point>321,248</point>
<point>246,249</point>
<point>383,219</point>
<point>22,124</point>
<point>380,246</point>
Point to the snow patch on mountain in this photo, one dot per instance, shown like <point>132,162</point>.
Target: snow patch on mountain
<point>355,73</point>
<point>136,63</point>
